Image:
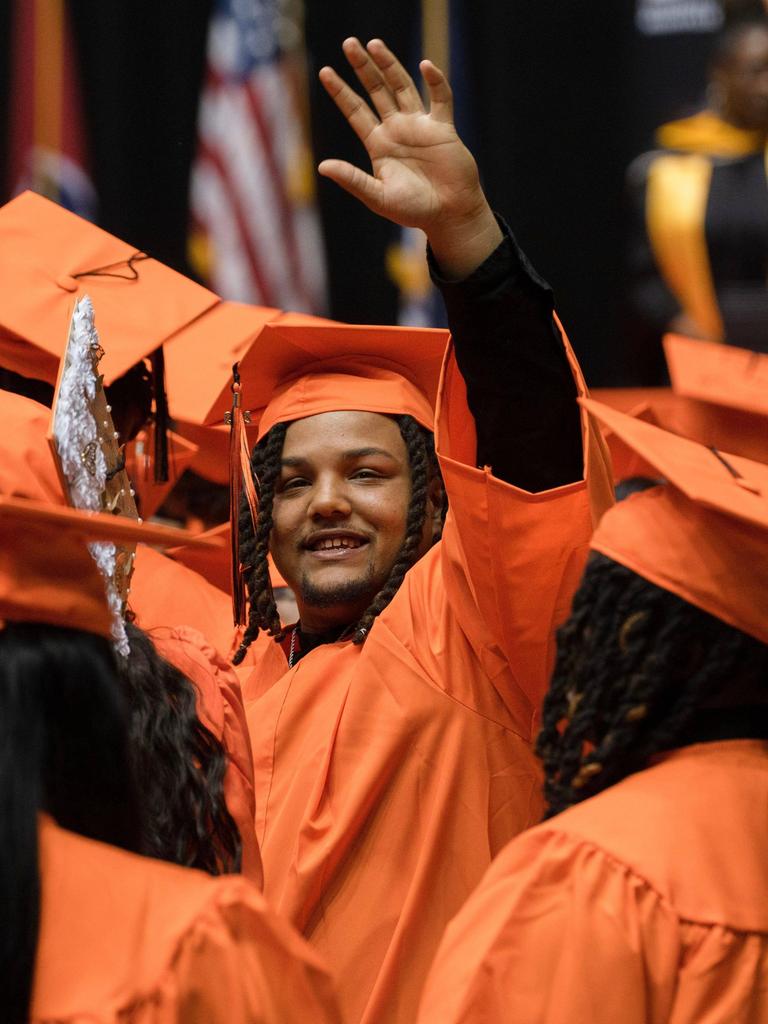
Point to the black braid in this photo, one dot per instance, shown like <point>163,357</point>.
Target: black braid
<point>634,664</point>
<point>265,460</point>
<point>254,548</point>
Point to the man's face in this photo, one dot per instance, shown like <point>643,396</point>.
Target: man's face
<point>339,514</point>
<point>743,80</point>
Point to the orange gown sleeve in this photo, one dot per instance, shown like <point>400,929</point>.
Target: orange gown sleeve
<point>511,559</point>
<point>558,932</point>
<point>220,707</point>
<point>241,964</point>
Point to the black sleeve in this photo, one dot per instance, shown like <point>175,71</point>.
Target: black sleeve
<point>520,388</point>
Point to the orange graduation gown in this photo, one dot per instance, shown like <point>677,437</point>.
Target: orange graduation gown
<point>129,940</point>
<point>220,709</point>
<point>388,775</point>
<point>647,904</point>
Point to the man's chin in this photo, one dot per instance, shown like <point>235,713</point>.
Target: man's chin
<point>343,592</point>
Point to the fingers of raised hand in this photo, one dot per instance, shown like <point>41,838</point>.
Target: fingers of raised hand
<point>361,118</point>
<point>440,95</point>
<point>370,78</point>
<point>399,83</point>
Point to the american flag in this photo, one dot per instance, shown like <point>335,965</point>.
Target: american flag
<point>255,230</point>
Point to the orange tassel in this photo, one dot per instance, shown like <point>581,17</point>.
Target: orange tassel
<point>240,482</point>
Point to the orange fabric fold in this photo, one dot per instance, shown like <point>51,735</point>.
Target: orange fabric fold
<point>126,938</point>
<point>645,904</point>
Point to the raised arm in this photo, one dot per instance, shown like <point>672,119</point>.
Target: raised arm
<point>511,556</point>
<point>520,386</point>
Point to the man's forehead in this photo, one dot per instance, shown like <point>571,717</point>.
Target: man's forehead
<point>343,430</point>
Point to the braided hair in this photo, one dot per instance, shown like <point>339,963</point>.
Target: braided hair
<point>634,664</point>
<point>254,546</point>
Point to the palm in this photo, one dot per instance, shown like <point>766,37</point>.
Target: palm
<point>421,169</point>
<point>420,164</point>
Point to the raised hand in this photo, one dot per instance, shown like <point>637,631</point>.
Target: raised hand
<point>423,174</point>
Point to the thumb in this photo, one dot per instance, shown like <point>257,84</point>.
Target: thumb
<point>359,184</point>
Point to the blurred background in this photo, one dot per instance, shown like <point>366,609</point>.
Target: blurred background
<point>188,127</point>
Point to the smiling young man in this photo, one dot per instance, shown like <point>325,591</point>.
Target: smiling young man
<point>392,725</point>
<point>339,519</point>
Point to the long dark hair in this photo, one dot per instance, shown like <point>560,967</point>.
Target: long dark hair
<point>63,749</point>
<point>254,547</point>
<point>180,765</point>
<point>635,663</point>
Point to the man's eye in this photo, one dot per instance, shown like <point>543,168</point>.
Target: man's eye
<point>293,483</point>
<point>366,474</point>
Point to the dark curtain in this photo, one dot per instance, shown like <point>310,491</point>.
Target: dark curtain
<point>142,65</point>
<point>553,110</point>
<point>356,240</point>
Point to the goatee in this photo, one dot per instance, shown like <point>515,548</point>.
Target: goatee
<point>348,592</point>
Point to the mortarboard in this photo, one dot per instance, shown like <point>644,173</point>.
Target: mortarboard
<point>199,357</point>
<point>736,378</point>
<point>300,367</point>
<point>730,429</point>
<point>59,582</point>
<point>703,533</point>
<point>198,364</point>
<point>27,466</point>
<point>212,562</point>
<point>49,258</point>
<point>212,458</point>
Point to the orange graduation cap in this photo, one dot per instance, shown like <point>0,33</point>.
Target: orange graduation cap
<point>199,357</point>
<point>27,466</point>
<point>703,534</point>
<point>300,367</point>
<point>49,257</point>
<point>719,414</point>
<point>736,378</point>
<point>198,364</point>
<point>57,581</point>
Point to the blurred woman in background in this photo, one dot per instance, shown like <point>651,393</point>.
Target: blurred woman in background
<point>699,252</point>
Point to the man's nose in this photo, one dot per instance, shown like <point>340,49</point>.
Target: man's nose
<point>330,498</point>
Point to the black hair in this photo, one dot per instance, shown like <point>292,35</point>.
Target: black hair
<point>266,465</point>
<point>64,750</point>
<point>180,765</point>
<point>634,665</point>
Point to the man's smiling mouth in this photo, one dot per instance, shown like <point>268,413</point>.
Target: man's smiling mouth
<point>334,544</point>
